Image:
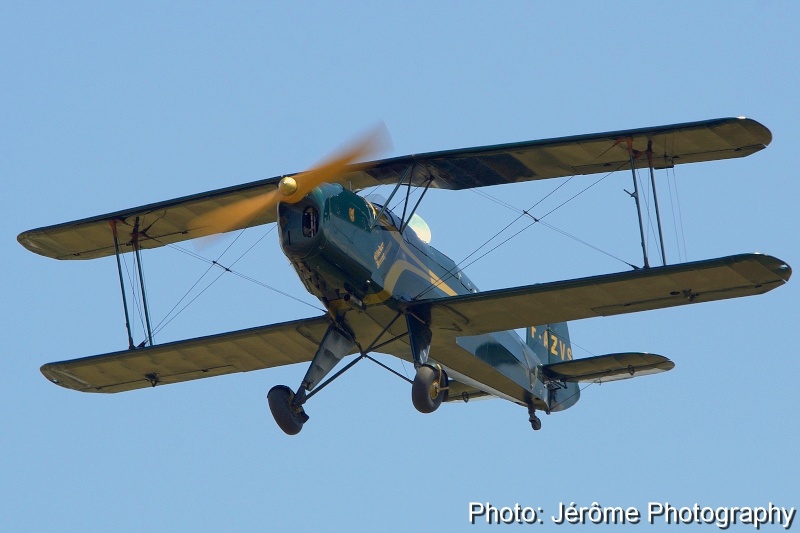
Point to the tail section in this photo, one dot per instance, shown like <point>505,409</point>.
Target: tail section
<point>550,342</point>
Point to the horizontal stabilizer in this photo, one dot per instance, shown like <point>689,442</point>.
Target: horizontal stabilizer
<point>611,367</point>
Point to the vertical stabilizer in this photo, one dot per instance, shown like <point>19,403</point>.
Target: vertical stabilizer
<point>550,342</point>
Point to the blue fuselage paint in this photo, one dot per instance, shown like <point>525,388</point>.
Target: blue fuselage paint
<point>340,251</point>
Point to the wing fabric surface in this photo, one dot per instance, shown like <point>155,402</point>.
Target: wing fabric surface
<point>175,220</point>
<point>215,355</point>
<point>610,294</point>
<point>457,316</point>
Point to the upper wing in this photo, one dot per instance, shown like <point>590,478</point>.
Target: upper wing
<point>691,142</point>
<point>174,220</point>
<point>215,355</point>
<point>610,294</point>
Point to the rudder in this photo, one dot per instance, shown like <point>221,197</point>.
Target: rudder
<point>550,342</point>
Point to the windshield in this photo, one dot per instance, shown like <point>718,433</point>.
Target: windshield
<point>416,224</point>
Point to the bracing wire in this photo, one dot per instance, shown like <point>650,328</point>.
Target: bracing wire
<point>552,227</point>
<point>134,284</point>
<point>224,269</point>
<point>674,217</point>
<point>680,215</point>
<point>461,264</point>
<point>167,318</point>
<point>175,311</point>
<point>522,213</point>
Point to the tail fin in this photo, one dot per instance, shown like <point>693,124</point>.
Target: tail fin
<point>551,345</point>
<point>550,342</point>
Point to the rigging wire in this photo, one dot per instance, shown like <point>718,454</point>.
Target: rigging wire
<point>143,286</point>
<point>167,319</point>
<point>677,221</point>
<point>175,312</point>
<point>577,393</point>
<point>680,215</point>
<point>522,214</point>
<point>225,269</point>
<point>460,265</point>
<point>216,263</point>
<point>674,217</point>
<point>552,227</point>
<point>573,343</point>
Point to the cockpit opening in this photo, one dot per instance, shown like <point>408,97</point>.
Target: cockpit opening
<point>310,222</point>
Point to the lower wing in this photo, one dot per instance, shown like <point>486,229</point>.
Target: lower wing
<point>605,295</point>
<point>215,355</point>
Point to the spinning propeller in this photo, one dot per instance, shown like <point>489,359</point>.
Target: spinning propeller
<point>292,189</point>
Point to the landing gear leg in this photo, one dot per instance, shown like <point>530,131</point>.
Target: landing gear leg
<point>287,406</point>
<point>429,388</point>
<point>536,423</point>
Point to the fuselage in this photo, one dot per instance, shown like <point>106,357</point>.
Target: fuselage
<point>360,265</point>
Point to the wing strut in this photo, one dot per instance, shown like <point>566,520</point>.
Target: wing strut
<point>405,220</point>
<point>634,154</point>
<point>406,178</point>
<point>113,224</point>
<point>407,174</point>
<point>138,262</point>
<point>137,253</point>
<point>635,195</point>
<point>655,200</point>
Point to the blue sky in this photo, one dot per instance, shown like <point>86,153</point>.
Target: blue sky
<point>113,105</point>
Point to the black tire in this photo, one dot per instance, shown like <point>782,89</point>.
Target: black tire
<point>428,390</point>
<point>536,424</point>
<point>280,404</point>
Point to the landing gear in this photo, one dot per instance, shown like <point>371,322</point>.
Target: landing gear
<point>429,388</point>
<point>288,413</point>
<point>535,421</point>
<point>287,406</point>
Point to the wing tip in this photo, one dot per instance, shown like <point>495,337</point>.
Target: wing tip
<point>57,376</point>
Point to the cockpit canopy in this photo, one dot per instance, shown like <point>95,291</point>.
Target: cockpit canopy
<point>416,224</point>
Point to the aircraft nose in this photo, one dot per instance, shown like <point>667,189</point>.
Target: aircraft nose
<point>299,226</point>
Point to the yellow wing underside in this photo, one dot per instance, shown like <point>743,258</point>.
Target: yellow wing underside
<point>451,317</point>
<point>176,220</point>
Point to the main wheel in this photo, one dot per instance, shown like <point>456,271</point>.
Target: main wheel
<point>289,418</point>
<point>429,388</point>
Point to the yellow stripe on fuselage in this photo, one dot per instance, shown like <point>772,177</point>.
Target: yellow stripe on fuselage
<point>400,266</point>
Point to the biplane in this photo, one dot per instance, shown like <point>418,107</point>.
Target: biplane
<point>387,290</point>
